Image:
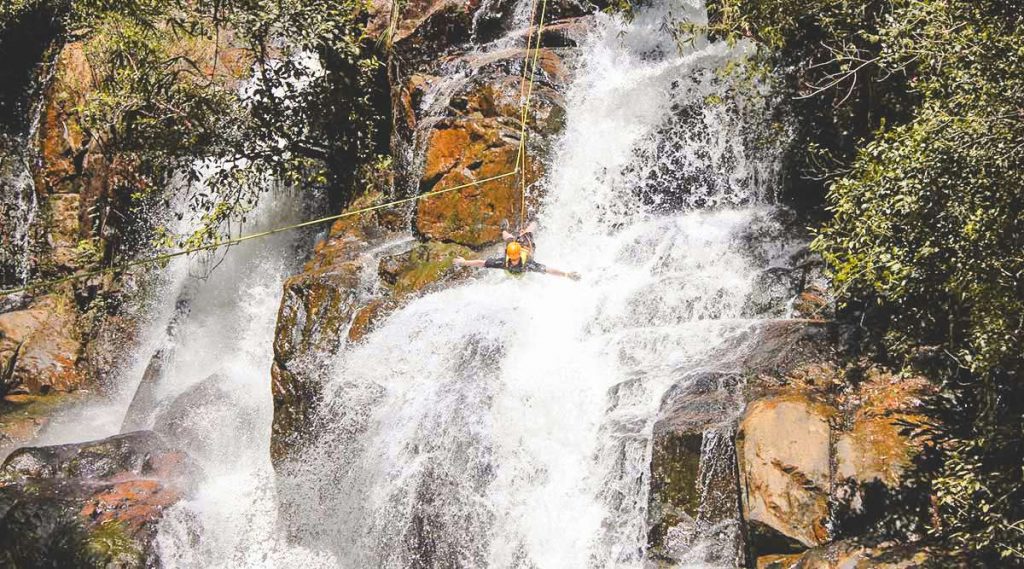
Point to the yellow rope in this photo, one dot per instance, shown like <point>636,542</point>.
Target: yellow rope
<point>237,240</point>
<point>528,87</point>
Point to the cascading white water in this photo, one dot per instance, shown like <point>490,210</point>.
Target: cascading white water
<point>508,422</point>
<point>505,422</point>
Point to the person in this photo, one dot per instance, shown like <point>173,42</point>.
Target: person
<point>518,258</point>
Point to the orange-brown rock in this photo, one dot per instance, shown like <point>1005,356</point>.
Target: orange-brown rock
<point>783,449</point>
<point>850,554</point>
<point>479,139</point>
<point>411,15</point>
<point>65,500</point>
<point>23,417</point>
<point>367,318</point>
<point>472,216</point>
<point>39,348</point>
<point>133,503</point>
<point>784,561</point>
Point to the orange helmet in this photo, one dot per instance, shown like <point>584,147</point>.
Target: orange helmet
<point>513,252</point>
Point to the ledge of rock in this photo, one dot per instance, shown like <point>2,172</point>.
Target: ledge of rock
<point>90,504</point>
<point>851,554</point>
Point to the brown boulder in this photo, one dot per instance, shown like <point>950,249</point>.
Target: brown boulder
<point>90,504</point>
<point>783,448</point>
<point>39,348</point>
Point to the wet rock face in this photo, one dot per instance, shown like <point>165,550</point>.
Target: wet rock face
<point>39,350</point>
<point>90,504</point>
<point>478,138</point>
<point>458,109</point>
<point>314,317</point>
<point>783,448</point>
<point>812,453</point>
<point>693,483</point>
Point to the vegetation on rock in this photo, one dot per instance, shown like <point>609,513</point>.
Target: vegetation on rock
<point>217,99</point>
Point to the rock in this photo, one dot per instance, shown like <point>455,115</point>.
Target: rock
<point>203,416</point>
<point>104,352</point>
<point>64,230</point>
<point>23,417</point>
<point>873,457</point>
<point>367,318</point>
<point>693,465</point>
<point>873,451</point>
<point>783,447</point>
<point>472,216</point>
<point>480,139</point>
<point>778,561</point>
<point>423,265</point>
<point>851,554</point>
<point>411,15</point>
<point>813,303</point>
<point>142,453</point>
<point>143,404</point>
<point>694,493</point>
<point>318,309</point>
<point>38,351</point>
<point>312,324</point>
<point>90,504</point>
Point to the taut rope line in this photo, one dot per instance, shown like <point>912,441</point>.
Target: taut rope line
<point>240,239</point>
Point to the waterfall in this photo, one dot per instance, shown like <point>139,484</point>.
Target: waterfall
<point>504,422</point>
<point>508,422</point>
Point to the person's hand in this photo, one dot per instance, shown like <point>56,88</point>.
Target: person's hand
<point>574,276</point>
<point>459,261</point>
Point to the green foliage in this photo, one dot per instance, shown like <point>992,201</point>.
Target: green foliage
<point>926,231</point>
<point>218,98</point>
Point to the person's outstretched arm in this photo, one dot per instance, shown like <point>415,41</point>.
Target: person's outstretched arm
<point>571,274</point>
<point>460,262</point>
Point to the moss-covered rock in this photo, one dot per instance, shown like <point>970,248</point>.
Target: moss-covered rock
<point>423,265</point>
<point>94,504</point>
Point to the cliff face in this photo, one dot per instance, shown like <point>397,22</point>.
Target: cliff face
<point>69,208</point>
